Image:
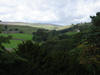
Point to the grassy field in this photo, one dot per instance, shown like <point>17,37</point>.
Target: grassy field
<point>12,44</point>
<point>71,33</point>
<point>16,39</point>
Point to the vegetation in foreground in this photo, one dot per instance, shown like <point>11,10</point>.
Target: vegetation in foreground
<point>55,53</point>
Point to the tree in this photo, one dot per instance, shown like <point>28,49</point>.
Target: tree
<point>96,19</point>
<point>40,35</point>
<point>4,40</point>
<point>6,27</point>
<point>0,20</point>
<point>91,52</point>
<point>21,32</point>
<point>0,28</point>
<point>16,29</point>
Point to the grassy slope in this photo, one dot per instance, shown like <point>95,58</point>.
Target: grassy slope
<point>63,27</point>
<point>25,29</point>
<point>34,25</point>
<point>14,42</point>
<point>71,33</point>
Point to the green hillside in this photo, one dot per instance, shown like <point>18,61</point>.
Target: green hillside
<point>34,25</point>
<point>16,39</point>
<point>24,29</point>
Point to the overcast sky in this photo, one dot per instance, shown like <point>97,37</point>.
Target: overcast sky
<point>63,12</point>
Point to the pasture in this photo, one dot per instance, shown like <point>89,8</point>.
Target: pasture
<point>17,38</point>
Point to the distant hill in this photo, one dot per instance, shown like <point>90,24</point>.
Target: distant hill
<point>36,25</point>
<point>32,27</point>
<point>75,28</point>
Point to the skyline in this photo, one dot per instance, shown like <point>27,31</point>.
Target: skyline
<point>60,12</point>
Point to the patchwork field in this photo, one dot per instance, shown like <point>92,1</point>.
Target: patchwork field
<point>16,39</point>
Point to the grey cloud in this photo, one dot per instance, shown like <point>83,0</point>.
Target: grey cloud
<point>62,12</point>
